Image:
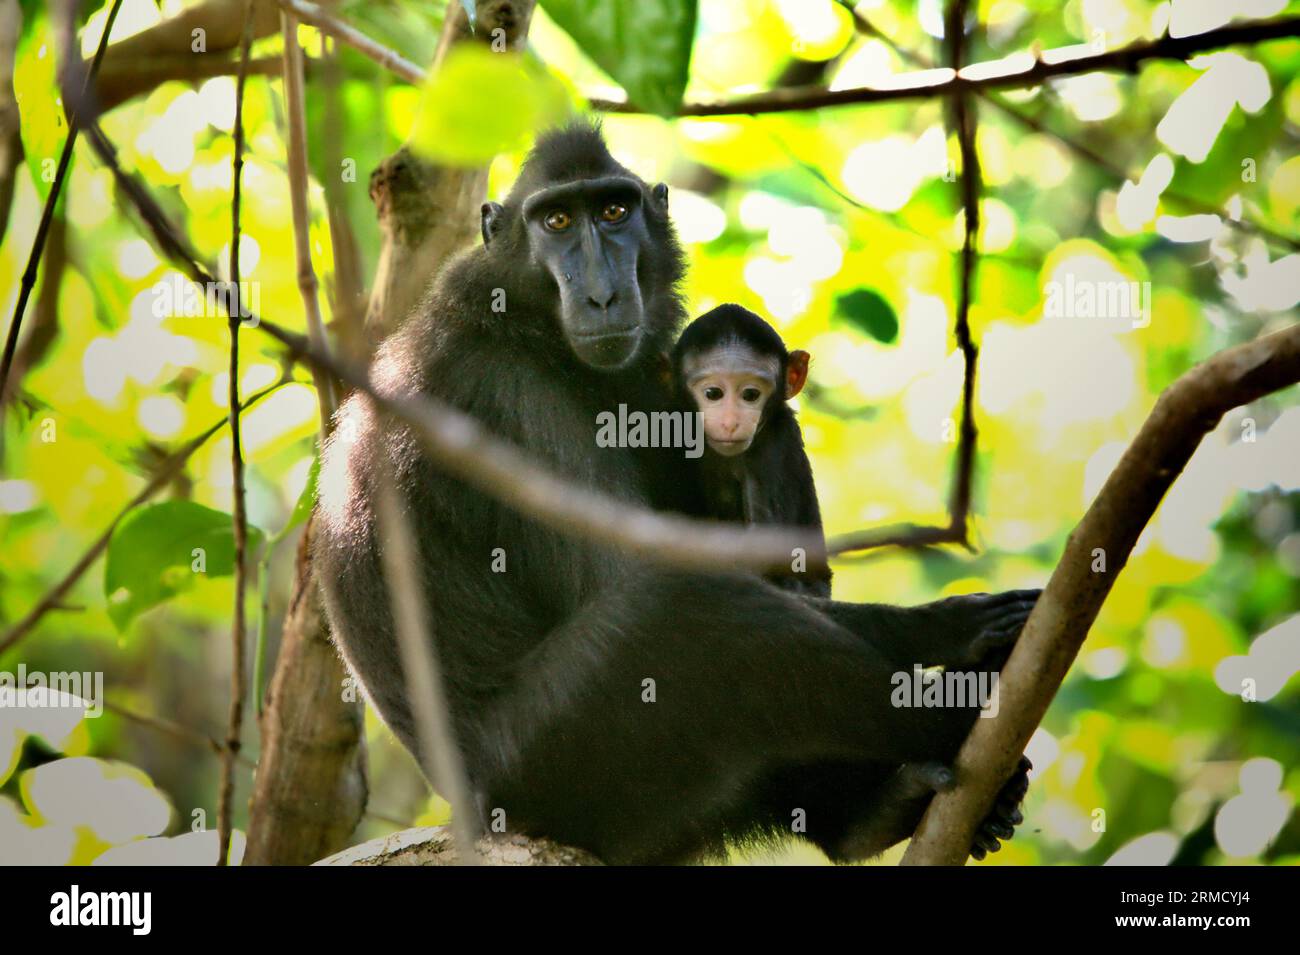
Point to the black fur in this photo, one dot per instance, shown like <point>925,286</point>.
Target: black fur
<point>772,481</point>
<point>544,664</point>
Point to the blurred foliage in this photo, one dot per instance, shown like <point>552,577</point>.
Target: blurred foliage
<point>841,226</point>
<point>645,46</point>
<point>460,120</point>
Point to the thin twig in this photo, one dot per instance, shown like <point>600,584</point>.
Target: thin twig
<point>43,327</point>
<point>1125,59</point>
<point>196,738</point>
<point>28,281</point>
<point>437,747</point>
<point>235,718</point>
<point>331,25</point>
<point>308,286</point>
<point>347,283</point>
<point>53,599</point>
<point>908,536</point>
<point>465,449</point>
<point>959,498</point>
<point>1076,146</point>
<point>1099,160</point>
<point>964,119</point>
<point>173,729</point>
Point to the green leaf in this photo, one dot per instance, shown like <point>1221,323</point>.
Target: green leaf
<point>480,104</point>
<point>37,90</point>
<point>1220,175</point>
<point>645,45</point>
<point>155,550</point>
<point>866,310</point>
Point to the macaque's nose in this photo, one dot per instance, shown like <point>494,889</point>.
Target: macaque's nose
<point>602,298</point>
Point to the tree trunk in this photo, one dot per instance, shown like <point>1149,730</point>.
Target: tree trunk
<point>310,788</point>
<point>427,211</point>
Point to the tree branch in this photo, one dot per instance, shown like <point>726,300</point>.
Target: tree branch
<point>1096,552</point>
<point>65,157</point>
<point>331,25</point>
<point>121,79</point>
<point>434,845</point>
<point>308,286</point>
<point>439,753</point>
<point>1079,148</point>
<point>346,283</point>
<point>1033,73</point>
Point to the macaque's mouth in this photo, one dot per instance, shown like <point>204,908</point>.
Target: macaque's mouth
<point>605,333</point>
<point>729,449</point>
<point>607,349</point>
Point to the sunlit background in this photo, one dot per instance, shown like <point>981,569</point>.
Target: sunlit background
<point>841,225</point>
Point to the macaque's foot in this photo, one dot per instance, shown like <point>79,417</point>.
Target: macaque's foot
<point>1000,823</point>
<point>986,626</point>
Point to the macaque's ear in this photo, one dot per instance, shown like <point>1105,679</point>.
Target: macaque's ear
<point>796,373</point>
<point>491,220</point>
<point>661,194</point>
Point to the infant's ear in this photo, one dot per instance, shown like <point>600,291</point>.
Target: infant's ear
<point>796,372</point>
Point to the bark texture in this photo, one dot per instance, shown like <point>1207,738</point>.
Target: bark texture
<point>433,845</point>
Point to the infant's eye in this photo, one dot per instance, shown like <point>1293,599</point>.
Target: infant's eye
<point>614,212</point>
<point>713,393</point>
<point>751,395</point>
<point>557,221</point>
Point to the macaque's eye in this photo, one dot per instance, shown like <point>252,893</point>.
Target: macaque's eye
<point>614,212</point>
<point>750,395</point>
<point>557,220</point>
<point>713,393</point>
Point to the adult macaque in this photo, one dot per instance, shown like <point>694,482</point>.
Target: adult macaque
<point>603,701</point>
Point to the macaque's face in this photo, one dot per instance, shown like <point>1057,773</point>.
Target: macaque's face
<point>731,386</point>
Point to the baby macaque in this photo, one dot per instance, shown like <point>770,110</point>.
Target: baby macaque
<point>735,369</point>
